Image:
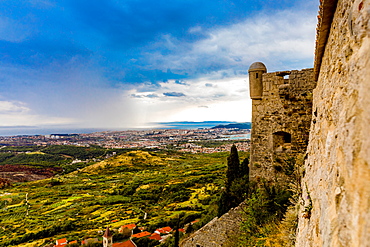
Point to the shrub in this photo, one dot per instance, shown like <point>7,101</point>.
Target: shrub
<point>145,242</point>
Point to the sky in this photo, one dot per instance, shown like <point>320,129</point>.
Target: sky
<point>116,64</point>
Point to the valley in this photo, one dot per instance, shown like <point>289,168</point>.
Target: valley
<point>107,187</point>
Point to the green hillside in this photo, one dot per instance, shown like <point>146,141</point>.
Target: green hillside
<point>113,192</point>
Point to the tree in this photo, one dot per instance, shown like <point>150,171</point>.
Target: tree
<point>237,182</point>
<point>125,234</point>
<point>244,168</point>
<point>145,242</point>
<point>233,167</point>
<point>223,203</point>
<point>177,233</point>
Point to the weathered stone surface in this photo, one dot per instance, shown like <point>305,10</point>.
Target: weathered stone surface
<point>221,231</point>
<point>337,167</point>
<point>281,121</point>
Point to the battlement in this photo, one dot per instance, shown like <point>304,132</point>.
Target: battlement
<point>281,116</point>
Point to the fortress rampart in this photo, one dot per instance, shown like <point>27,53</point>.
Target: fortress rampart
<point>281,117</point>
<point>324,113</point>
<point>337,168</point>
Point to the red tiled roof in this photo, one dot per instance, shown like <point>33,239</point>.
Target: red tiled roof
<point>181,230</point>
<point>166,229</point>
<point>73,242</point>
<point>155,236</point>
<point>141,234</point>
<point>129,226</point>
<point>61,242</point>
<point>128,243</point>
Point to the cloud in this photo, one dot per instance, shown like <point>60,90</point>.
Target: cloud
<point>196,29</point>
<point>135,23</point>
<point>181,82</point>
<point>202,102</point>
<point>122,63</point>
<point>76,97</point>
<point>281,40</point>
<point>197,90</point>
<point>17,113</point>
<point>7,107</point>
<point>152,95</point>
<point>173,94</point>
<point>142,41</point>
<point>144,95</point>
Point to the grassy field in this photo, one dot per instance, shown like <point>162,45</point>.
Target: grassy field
<point>113,192</point>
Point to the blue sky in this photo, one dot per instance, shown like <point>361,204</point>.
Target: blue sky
<point>129,63</point>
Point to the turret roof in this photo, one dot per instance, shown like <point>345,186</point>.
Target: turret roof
<point>258,66</point>
<point>107,233</point>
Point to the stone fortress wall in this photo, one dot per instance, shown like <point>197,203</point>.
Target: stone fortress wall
<point>281,117</point>
<point>337,170</point>
<point>223,231</point>
<point>334,98</point>
<point>336,182</point>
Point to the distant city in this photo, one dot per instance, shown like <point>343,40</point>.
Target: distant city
<point>182,136</point>
<point>47,130</point>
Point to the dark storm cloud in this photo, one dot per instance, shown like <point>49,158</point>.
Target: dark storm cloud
<point>173,94</point>
<point>151,96</point>
<point>68,61</point>
<point>120,38</point>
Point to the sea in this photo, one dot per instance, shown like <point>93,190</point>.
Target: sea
<point>33,130</point>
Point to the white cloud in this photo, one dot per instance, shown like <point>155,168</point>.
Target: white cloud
<point>205,99</point>
<point>276,38</point>
<point>19,114</point>
<point>196,29</point>
<point>8,107</point>
<point>59,95</point>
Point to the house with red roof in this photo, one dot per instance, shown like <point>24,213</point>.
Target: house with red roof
<point>129,226</point>
<point>155,236</point>
<point>61,242</point>
<point>128,243</point>
<point>163,230</point>
<point>141,234</point>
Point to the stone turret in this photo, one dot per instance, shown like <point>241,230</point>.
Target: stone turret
<point>255,80</point>
<point>281,117</point>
